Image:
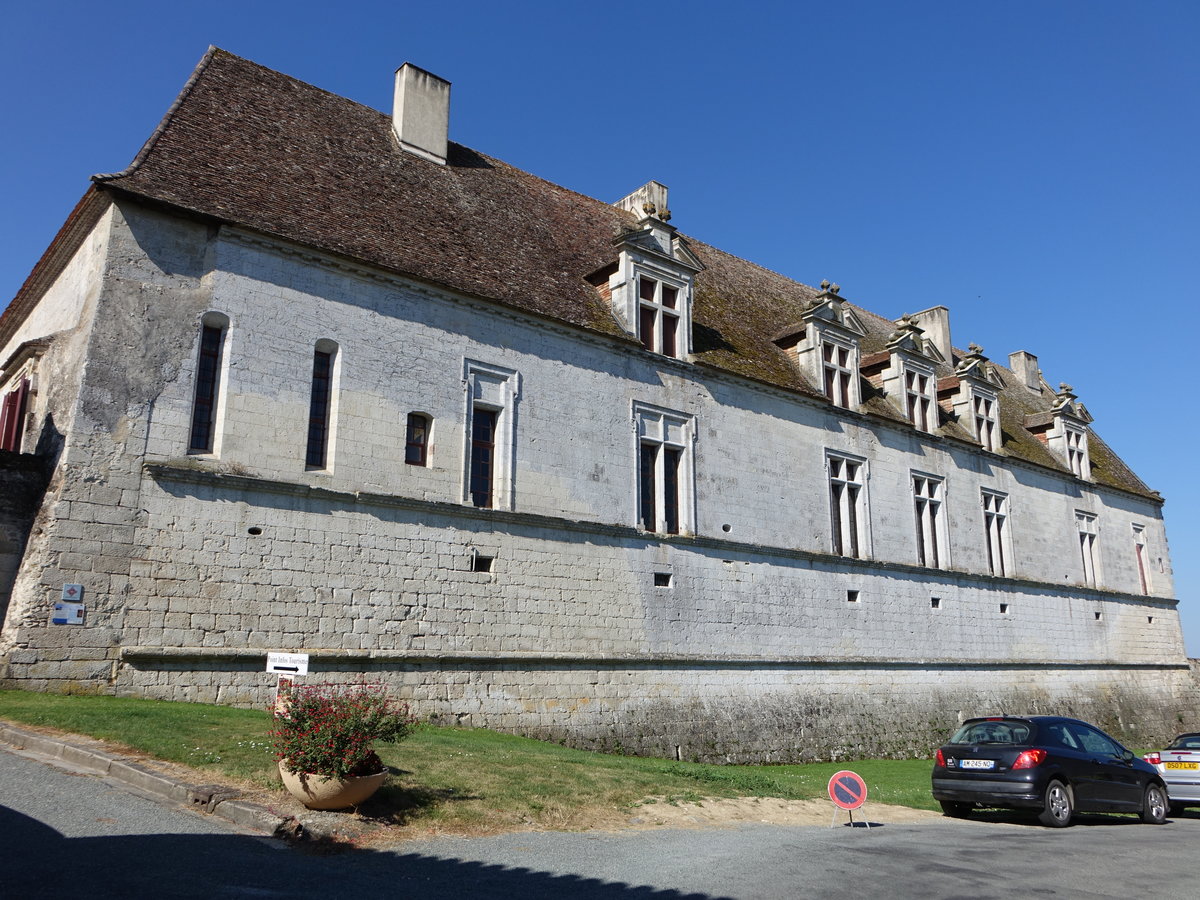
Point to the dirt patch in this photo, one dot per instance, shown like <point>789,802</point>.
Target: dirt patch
<point>763,810</point>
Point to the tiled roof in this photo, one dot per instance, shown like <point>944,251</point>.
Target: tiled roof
<point>246,145</point>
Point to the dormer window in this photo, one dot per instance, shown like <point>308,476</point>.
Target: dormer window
<point>974,398</point>
<point>987,426</point>
<point>907,373</point>
<point>1064,430</point>
<point>918,395</point>
<point>649,286</point>
<point>658,316</point>
<point>838,366</point>
<point>1075,440</point>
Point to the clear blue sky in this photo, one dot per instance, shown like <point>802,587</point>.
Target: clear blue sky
<point>1031,165</point>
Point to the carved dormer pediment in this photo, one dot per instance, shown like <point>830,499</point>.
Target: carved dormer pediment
<point>909,379</point>
<point>1067,404</point>
<point>826,343</point>
<point>975,400</point>
<point>1064,429</point>
<point>650,287</point>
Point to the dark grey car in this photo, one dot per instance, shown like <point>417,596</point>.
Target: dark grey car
<point>1052,764</point>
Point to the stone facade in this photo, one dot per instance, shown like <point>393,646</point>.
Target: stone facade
<point>554,613</point>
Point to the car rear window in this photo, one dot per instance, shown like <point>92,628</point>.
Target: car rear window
<point>1001,731</point>
<point>1186,742</point>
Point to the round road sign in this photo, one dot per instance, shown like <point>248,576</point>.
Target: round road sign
<point>847,790</point>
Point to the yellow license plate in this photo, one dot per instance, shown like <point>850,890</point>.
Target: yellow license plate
<point>1183,765</point>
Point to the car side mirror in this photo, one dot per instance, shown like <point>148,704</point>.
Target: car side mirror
<point>1126,755</point>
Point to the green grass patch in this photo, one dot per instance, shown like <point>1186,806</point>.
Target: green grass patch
<point>455,778</point>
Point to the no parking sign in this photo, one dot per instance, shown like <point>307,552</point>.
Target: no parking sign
<point>847,791</point>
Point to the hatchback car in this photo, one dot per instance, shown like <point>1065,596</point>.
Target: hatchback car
<point>1055,765</point>
<point>1179,766</point>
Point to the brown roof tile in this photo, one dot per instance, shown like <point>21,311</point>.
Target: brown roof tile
<point>247,145</point>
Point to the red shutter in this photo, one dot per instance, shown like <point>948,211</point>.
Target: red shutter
<point>12,418</point>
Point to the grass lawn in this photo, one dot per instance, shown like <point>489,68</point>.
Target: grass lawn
<point>454,778</point>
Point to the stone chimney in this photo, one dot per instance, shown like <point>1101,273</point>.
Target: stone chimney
<point>1025,367</point>
<point>421,112</point>
<point>935,322</point>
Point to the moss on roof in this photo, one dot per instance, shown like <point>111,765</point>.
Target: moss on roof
<point>249,146</point>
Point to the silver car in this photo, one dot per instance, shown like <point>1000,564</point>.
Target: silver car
<point>1179,766</point>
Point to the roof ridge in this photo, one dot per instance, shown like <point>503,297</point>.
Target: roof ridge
<point>201,66</point>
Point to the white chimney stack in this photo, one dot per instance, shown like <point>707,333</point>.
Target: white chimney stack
<point>1025,366</point>
<point>421,113</point>
<point>935,321</point>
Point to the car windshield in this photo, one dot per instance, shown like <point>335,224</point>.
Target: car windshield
<point>995,731</point>
<point>1186,742</point>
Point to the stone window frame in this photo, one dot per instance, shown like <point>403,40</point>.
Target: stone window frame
<point>849,517</point>
<point>210,385</point>
<point>920,396</point>
<point>657,433</point>
<point>985,419</point>
<point>495,389</point>
<point>416,451</point>
<point>323,406</point>
<point>1141,556</point>
<point>1087,528</point>
<point>839,376</point>
<point>997,535</point>
<point>929,516</point>
<point>1075,444</point>
<point>655,313</point>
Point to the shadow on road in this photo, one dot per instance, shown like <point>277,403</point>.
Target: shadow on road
<point>38,861</point>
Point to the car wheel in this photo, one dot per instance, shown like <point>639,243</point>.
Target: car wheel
<point>955,810</point>
<point>1058,805</point>
<point>1154,805</point>
<point>1177,810</point>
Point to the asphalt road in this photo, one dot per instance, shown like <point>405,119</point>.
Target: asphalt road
<point>65,835</point>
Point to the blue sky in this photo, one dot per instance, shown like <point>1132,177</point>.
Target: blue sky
<point>1031,165</point>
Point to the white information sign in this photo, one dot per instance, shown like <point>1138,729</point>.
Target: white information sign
<point>288,663</point>
<point>67,614</point>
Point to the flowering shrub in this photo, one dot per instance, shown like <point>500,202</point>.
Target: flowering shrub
<point>327,729</point>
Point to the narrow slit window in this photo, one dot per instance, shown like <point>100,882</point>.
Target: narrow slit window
<point>318,410</point>
<point>483,456</point>
<point>208,377</point>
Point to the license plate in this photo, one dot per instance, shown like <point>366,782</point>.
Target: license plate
<point>977,764</point>
<point>1182,765</point>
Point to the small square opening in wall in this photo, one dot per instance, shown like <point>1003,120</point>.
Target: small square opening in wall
<point>481,563</point>
<point>935,602</point>
<point>1004,609</point>
<point>1099,615</point>
<point>851,596</point>
<point>1149,620</point>
<point>662,579</point>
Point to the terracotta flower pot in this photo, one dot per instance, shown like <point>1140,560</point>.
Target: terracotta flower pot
<point>319,792</point>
